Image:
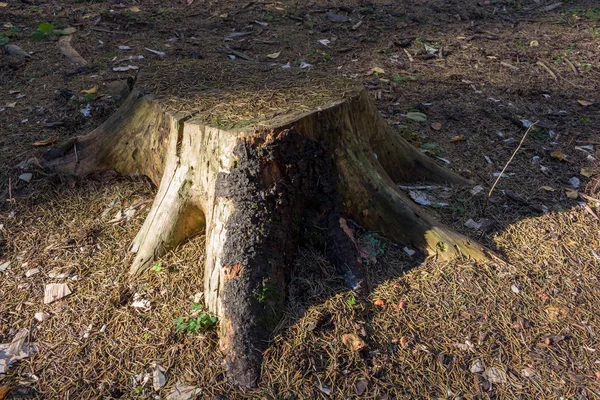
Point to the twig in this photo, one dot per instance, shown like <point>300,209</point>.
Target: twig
<point>10,199</point>
<point>76,157</point>
<point>511,158</point>
<point>547,68</point>
<point>509,65</point>
<point>113,32</point>
<point>589,198</point>
<point>408,55</point>
<point>573,67</point>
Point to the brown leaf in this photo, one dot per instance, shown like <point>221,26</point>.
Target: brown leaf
<point>379,303</point>
<point>589,172</point>
<point>458,138</point>
<point>572,194</point>
<point>529,373</point>
<point>4,389</point>
<point>45,142</point>
<point>376,70</point>
<point>585,103</point>
<point>404,342</point>
<point>135,9</point>
<point>353,342</point>
<point>347,230</point>
<point>558,155</point>
<point>436,126</point>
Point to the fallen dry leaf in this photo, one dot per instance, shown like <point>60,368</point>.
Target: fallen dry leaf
<point>558,155</point>
<point>92,90</point>
<point>589,172</point>
<point>402,305</point>
<point>555,313</point>
<point>572,194</point>
<point>548,188</point>
<point>403,342</point>
<point>274,55</point>
<point>534,43</point>
<point>379,303</point>
<point>347,230</point>
<point>436,126</point>
<point>458,138</point>
<point>4,389</point>
<point>352,341</point>
<point>376,70</point>
<point>135,9</point>
<point>45,142</point>
<point>585,103</point>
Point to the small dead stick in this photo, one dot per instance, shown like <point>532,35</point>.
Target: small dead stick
<point>511,158</point>
<point>547,68</point>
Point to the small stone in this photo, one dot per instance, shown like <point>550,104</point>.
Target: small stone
<point>27,176</point>
<point>158,377</point>
<point>41,316</point>
<point>575,182</point>
<point>515,289</point>
<point>4,266</point>
<point>408,251</point>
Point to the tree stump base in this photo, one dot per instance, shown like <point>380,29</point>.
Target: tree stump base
<point>249,155</point>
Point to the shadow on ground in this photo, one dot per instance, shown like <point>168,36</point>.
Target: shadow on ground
<point>478,70</point>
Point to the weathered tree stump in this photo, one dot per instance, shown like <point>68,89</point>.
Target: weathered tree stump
<point>249,155</point>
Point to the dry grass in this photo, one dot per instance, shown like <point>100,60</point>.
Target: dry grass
<point>438,319</point>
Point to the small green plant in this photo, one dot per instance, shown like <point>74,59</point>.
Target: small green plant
<point>88,98</point>
<point>537,133</point>
<point>432,148</point>
<point>374,247</point>
<point>351,301</point>
<point>156,267</point>
<point>3,39</point>
<point>203,322</point>
<point>401,78</point>
<point>43,30</point>
<point>442,246</point>
<point>267,291</point>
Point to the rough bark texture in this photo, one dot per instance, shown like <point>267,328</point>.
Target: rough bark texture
<point>252,189</point>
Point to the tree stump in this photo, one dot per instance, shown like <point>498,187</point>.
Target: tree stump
<point>250,155</point>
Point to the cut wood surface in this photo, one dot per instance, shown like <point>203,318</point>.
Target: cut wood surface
<point>252,157</point>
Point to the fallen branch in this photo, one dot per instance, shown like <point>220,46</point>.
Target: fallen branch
<point>64,45</point>
<point>113,32</point>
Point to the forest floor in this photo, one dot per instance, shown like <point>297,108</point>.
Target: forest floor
<point>480,71</point>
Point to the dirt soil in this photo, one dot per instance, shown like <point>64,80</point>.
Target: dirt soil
<point>480,71</point>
